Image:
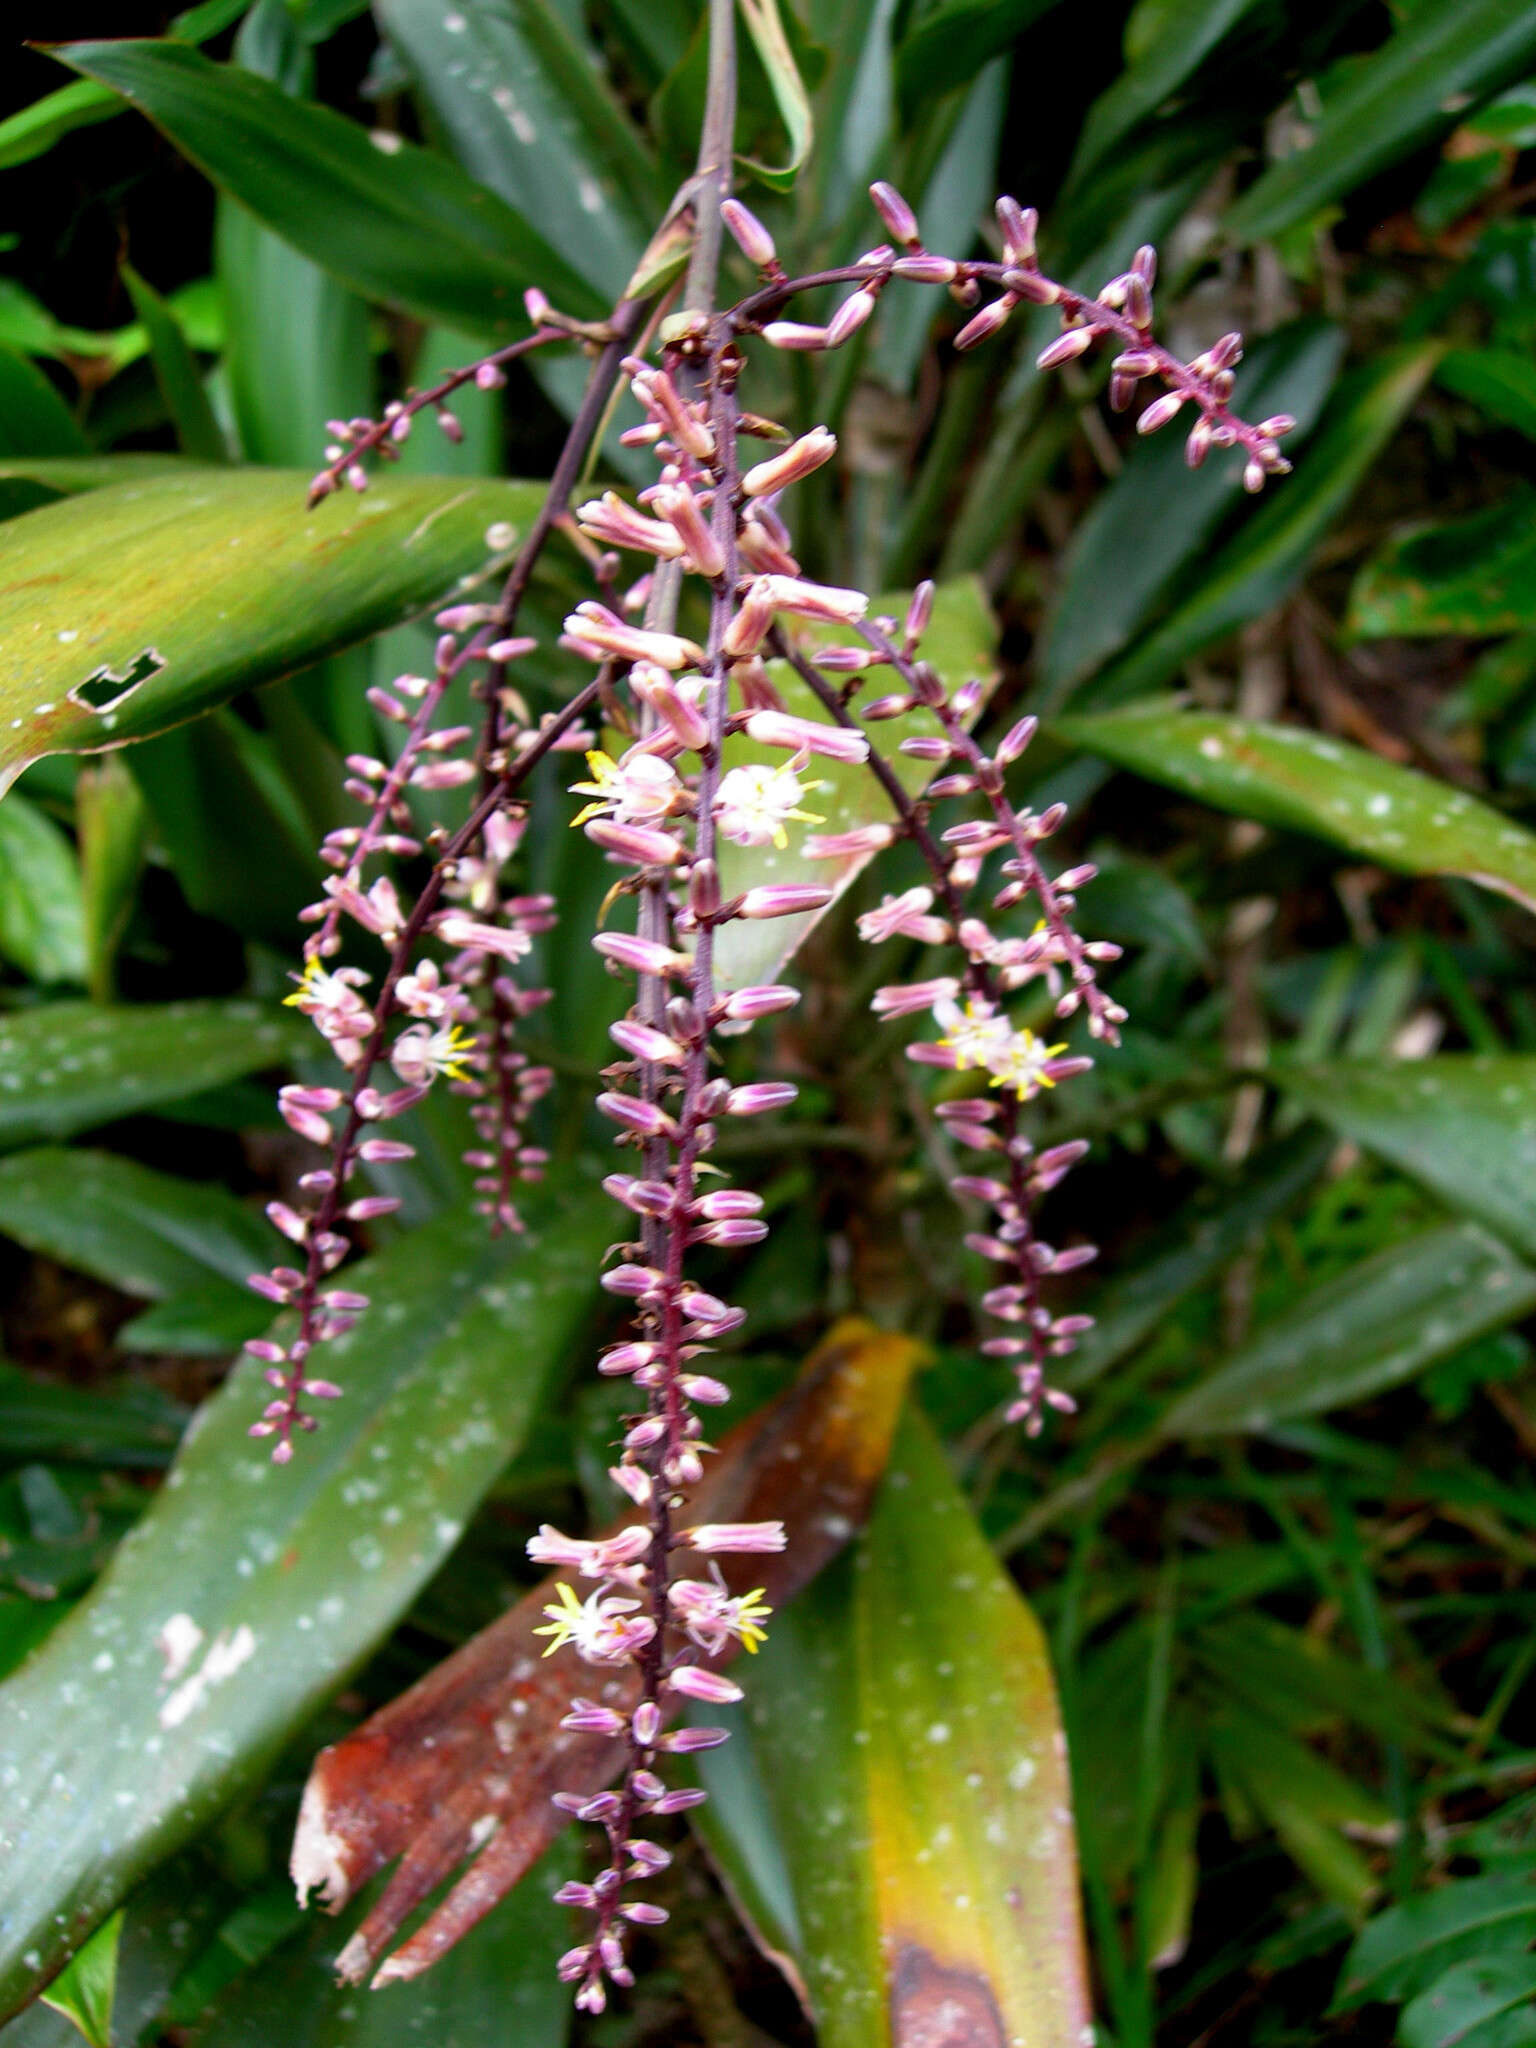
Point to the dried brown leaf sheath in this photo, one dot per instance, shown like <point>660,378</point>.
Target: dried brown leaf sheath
<point>468,1759</point>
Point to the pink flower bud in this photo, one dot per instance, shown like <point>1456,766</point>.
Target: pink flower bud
<point>794,334</point>
<point>817,600</point>
<point>779,729</point>
<point>1066,348</point>
<point>782,899</point>
<point>634,842</point>
<point>900,220</point>
<point>634,1282</point>
<point>760,1096</point>
<point>743,1538</point>
<point>695,1683</point>
<point>989,321</point>
<point>926,269</point>
<point>849,318</point>
<point>645,1043</point>
<point>1019,225</point>
<point>746,1005</point>
<point>798,460</point>
<point>648,1118</point>
<point>861,840</point>
<point>644,956</point>
<point>752,238</point>
<point>1160,412</point>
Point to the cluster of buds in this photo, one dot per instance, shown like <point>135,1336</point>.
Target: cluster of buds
<point>661,809</point>
<point>433,1021</point>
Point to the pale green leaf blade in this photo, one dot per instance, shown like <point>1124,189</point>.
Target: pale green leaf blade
<point>1499,381</point>
<point>960,643</point>
<point>766,29</point>
<point>85,1990</point>
<point>1446,54</point>
<point>1375,1327</point>
<point>905,1727</point>
<point>293,1571</point>
<point>1308,782</point>
<point>177,373</point>
<point>128,609</point>
<point>42,912</point>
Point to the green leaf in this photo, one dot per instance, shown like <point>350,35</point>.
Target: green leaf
<point>177,373</point>
<point>496,1988</point>
<point>34,420</point>
<point>904,1726</point>
<point>1416,86</point>
<point>210,1320</point>
<point>396,224</point>
<point>1310,1805</point>
<point>67,1066</point>
<point>1165,42</point>
<point>109,837</point>
<point>766,29</point>
<point>1486,2003</point>
<point>1203,1237</point>
<point>1407,1948</point>
<point>1376,1326</point>
<point>33,131</point>
<point>1475,576</point>
<point>30,480</point>
<point>528,114</point>
<point>42,917</point>
<point>1127,555</point>
<point>119,1424</point>
<point>1463,1124</point>
<point>1500,381</point>
<point>1269,555</point>
<point>960,643</point>
<point>1306,782</point>
<point>290,1573</point>
<point>86,1987</point>
<point>145,1232</point>
<point>952,42</point>
<point>130,608</point>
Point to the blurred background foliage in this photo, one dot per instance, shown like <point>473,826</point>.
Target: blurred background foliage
<point>1283,1554</point>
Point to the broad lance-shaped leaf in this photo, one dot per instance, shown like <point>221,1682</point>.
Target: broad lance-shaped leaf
<point>1464,1124</point>
<point>961,642</point>
<point>65,1067</point>
<point>480,1735</point>
<point>1475,576</point>
<point>1406,1949</point>
<point>906,1738</point>
<point>129,609</point>
<point>1377,1325</point>
<point>1489,2002</point>
<point>250,1589</point>
<point>1418,84</point>
<point>1285,775</point>
<point>394,222</point>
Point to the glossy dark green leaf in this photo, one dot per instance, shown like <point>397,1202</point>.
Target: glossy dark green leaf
<point>1499,381</point>
<point>85,1989</point>
<point>128,609</point>
<point>65,1067</point>
<point>1203,1237</point>
<point>497,1988</point>
<point>1290,776</point>
<point>1486,2003</point>
<point>42,915</point>
<point>1475,576</point>
<point>1445,55</point>
<point>120,1424</point>
<point>34,420</point>
<point>528,114</point>
<point>950,43</point>
<point>177,373</point>
<point>145,1232</point>
<point>1127,554</point>
<point>395,223</point>
<point>904,1726</point>
<point>288,1573</point>
<point>1269,554</point>
<point>1464,1124</point>
<point>1407,1948</point>
<point>1166,41</point>
<point>1380,1324</point>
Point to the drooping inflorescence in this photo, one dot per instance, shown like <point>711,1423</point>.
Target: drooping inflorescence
<point>660,809</point>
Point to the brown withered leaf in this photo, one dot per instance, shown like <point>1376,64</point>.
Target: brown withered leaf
<point>468,1759</point>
